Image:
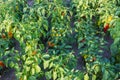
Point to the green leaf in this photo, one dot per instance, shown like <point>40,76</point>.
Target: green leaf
<point>117,13</point>
<point>68,46</point>
<point>106,75</point>
<point>41,46</point>
<point>48,75</point>
<point>12,64</point>
<point>46,27</point>
<point>46,56</point>
<point>32,78</point>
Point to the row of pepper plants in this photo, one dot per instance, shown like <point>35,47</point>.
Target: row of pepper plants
<point>98,18</point>
<point>36,38</point>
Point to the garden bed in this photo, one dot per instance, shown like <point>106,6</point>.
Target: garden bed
<point>59,40</point>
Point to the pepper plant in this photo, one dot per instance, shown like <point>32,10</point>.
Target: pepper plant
<point>44,39</point>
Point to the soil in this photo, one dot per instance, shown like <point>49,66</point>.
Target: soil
<point>8,74</point>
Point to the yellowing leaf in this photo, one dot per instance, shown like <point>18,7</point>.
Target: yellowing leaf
<point>32,71</point>
<point>37,68</point>
<point>28,62</point>
<point>24,77</point>
<point>109,19</point>
<point>10,34</point>
<point>94,77</point>
<point>28,47</point>
<point>21,78</point>
<point>27,68</point>
<point>98,22</point>
<point>46,56</point>
<point>97,69</point>
<point>54,75</point>
<point>86,77</point>
<point>57,34</point>
<point>17,7</point>
<point>85,56</point>
<point>46,64</point>
<point>51,65</point>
